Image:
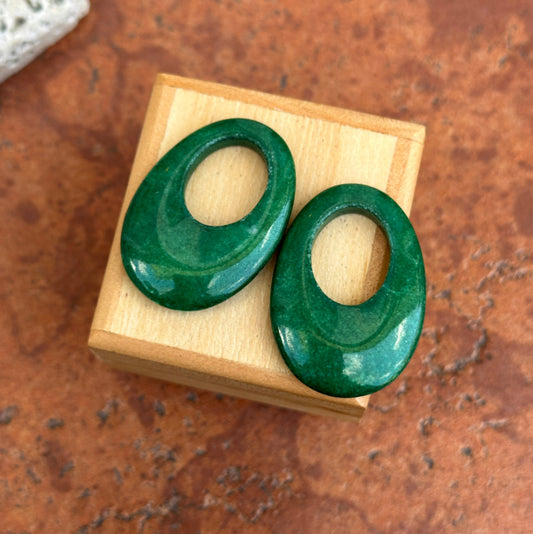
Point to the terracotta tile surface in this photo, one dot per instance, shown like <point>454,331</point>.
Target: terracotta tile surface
<point>446,448</point>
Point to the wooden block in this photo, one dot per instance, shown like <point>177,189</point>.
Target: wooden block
<point>230,348</point>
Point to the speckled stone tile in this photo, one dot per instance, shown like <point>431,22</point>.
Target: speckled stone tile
<point>446,448</point>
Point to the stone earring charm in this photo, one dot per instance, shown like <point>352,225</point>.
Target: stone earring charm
<point>339,350</point>
<point>183,264</point>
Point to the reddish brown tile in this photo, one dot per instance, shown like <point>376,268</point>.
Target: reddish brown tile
<point>445,448</point>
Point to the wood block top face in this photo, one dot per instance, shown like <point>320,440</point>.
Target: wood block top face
<point>230,347</point>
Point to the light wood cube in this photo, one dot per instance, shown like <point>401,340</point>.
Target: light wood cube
<point>230,348</point>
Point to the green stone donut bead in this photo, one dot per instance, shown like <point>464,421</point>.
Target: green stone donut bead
<point>339,350</point>
<point>183,264</point>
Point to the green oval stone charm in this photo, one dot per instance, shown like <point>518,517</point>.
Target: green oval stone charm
<point>339,350</point>
<point>183,264</point>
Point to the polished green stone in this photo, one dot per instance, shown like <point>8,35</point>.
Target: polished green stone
<point>339,350</point>
<point>183,264</point>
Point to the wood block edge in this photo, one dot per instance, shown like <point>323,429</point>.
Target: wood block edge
<point>397,128</point>
<point>205,372</point>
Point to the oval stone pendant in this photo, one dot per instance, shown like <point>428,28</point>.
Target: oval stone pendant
<point>339,350</point>
<point>183,264</point>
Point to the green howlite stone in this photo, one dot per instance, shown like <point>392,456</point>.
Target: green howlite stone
<point>339,350</point>
<point>183,264</point>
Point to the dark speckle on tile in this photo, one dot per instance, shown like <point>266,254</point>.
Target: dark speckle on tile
<point>55,422</point>
<point>467,451</point>
<point>7,414</point>
<point>104,413</point>
<point>372,454</point>
<point>117,476</point>
<point>428,461</point>
<point>69,466</point>
<point>159,407</point>
<point>424,424</point>
<point>192,396</point>
<point>34,478</point>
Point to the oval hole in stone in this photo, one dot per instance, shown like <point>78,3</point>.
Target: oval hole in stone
<point>226,186</point>
<point>350,259</point>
